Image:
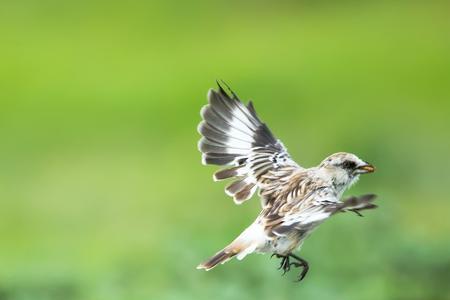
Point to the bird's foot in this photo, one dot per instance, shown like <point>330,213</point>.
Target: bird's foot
<point>300,263</point>
<point>286,264</point>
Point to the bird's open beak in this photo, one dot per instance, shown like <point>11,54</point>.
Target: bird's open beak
<point>367,168</point>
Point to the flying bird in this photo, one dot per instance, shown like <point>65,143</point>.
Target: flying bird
<point>294,199</point>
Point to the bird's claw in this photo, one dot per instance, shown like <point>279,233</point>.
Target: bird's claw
<point>303,273</point>
<point>286,265</point>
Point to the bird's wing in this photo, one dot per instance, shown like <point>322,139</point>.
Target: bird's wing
<point>356,204</point>
<point>234,136</point>
<point>298,210</point>
<point>297,204</point>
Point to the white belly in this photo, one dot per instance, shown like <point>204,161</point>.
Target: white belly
<point>286,244</point>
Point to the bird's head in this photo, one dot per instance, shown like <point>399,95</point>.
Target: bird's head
<point>344,169</point>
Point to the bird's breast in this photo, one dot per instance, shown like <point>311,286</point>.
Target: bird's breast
<point>286,244</point>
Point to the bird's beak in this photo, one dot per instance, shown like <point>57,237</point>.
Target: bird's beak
<point>367,168</point>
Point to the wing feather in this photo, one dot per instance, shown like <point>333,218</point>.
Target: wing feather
<point>233,135</point>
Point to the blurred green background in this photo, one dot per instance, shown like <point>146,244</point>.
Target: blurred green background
<point>101,188</point>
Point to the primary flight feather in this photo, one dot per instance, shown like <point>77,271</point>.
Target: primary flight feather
<point>295,200</point>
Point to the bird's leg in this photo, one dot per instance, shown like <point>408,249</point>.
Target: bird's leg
<point>285,264</point>
<point>300,262</point>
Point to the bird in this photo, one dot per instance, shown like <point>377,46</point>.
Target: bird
<point>294,200</point>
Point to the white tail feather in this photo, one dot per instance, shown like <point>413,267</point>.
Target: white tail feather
<point>247,242</point>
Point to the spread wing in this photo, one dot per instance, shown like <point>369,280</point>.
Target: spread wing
<point>296,211</point>
<point>234,136</point>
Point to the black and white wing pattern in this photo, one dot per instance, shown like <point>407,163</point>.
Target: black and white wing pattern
<point>234,136</point>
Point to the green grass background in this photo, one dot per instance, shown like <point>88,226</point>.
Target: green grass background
<point>101,188</point>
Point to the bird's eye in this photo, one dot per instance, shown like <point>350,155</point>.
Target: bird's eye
<point>348,164</point>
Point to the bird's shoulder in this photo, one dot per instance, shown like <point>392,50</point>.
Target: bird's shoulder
<point>294,198</point>
<point>289,185</point>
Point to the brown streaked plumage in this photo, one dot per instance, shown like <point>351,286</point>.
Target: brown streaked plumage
<point>295,200</point>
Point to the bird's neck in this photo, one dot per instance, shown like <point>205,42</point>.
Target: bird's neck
<point>339,182</point>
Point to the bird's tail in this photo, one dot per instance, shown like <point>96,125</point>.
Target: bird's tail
<point>220,257</point>
<point>244,244</point>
